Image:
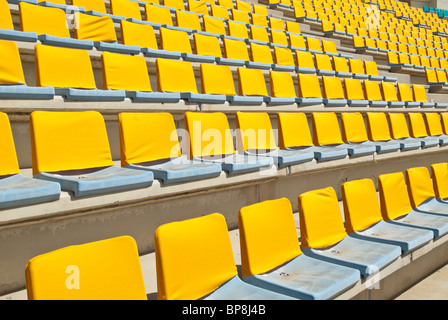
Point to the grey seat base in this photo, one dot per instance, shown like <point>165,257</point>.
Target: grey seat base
<point>366,256</point>
<point>407,237</point>
<point>307,278</point>
<point>100,181</point>
<point>438,224</point>
<point>24,92</point>
<point>180,170</point>
<point>287,157</point>
<point>18,190</point>
<point>239,163</point>
<point>90,94</point>
<point>236,289</point>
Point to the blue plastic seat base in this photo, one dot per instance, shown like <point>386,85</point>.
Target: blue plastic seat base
<point>360,76</point>
<point>66,8</point>
<point>240,163</point>
<point>341,74</point>
<point>335,102</point>
<point>101,181</point>
<point>187,30</point>
<point>15,35</point>
<point>429,142</point>
<point>90,94</point>
<point>390,79</point>
<point>282,67</point>
<point>180,170</point>
<point>409,143</point>
<point>148,52</point>
<point>279,100</point>
<point>236,289</point>
<point>376,78</point>
<point>366,256</point>
<point>407,237</point>
<point>321,72</point>
<point>378,104</point>
<point>305,70</point>
<point>203,97</point>
<point>396,104</point>
<point>441,105</point>
<point>230,62</point>
<point>307,278</point>
<point>160,97</point>
<point>245,100</point>
<point>412,104</point>
<point>197,57</point>
<point>327,153</point>
<point>438,224</point>
<point>65,42</point>
<point>427,104</point>
<point>383,146</point>
<point>258,65</point>
<point>18,190</point>
<point>24,92</point>
<point>310,101</point>
<point>116,47</point>
<point>287,157</point>
<point>359,149</point>
<point>357,103</point>
<point>433,205</point>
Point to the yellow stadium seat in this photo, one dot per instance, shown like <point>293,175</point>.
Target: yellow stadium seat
<point>84,272</point>
<point>418,129</point>
<point>91,5</point>
<point>333,92</point>
<point>101,31</point>
<point>354,93</point>
<point>72,148</point>
<point>439,174</point>
<point>126,8</point>
<point>322,233</point>
<point>51,70</point>
<point>235,52</point>
<point>405,95</point>
<point>305,62</point>
<point>309,89</point>
<point>160,15</point>
<point>149,141</point>
<point>205,126</point>
<point>363,218</point>
<point>396,205</point>
<point>213,276</point>
<point>324,67</point>
<point>373,94</point>
<point>266,256</point>
<point>326,132</point>
<point>213,25</point>
<point>261,56</point>
<point>130,73</point>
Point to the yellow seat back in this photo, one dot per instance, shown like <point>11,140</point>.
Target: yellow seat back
<point>320,219</point>
<point>125,8</point>
<point>210,134</point>
<point>255,131</point>
<point>353,89</point>
<point>417,126</point>
<point>158,14</point>
<point>394,197</point>
<point>268,236</point>
<point>251,82</point>
<point>8,160</point>
<point>101,270</point>
<point>175,40</point>
<point>91,5</point>
<point>125,72</point>
<point>372,89</point>
<point>377,126</point>
<point>168,79</point>
<point>282,84</point>
<point>68,141</point>
<point>147,137</point>
<point>326,129</point>
<point>309,86</point>
<point>63,68</point>
<point>137,34</point>
<point>11,70</point>
<point>5,16</point>
<point>94,28</point>
<point>293,130</point>
<point>433,124</point>
<point>353,127</point>
<point>43,20</point>
<point>398,125</point>
<point>439,172</point>
<point>207,45</point>
<point>361,206</point>
<point>332,88</point>
<point>217,79</point>
<point>419,185</point>
<point>235,49</point>
<point>193,257</point>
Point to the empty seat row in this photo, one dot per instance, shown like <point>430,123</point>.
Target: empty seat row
<point>217,82</point>
<point>414,61</point>
<point>330,258</point>
<point>85,166</point>
<point>366,43</point>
